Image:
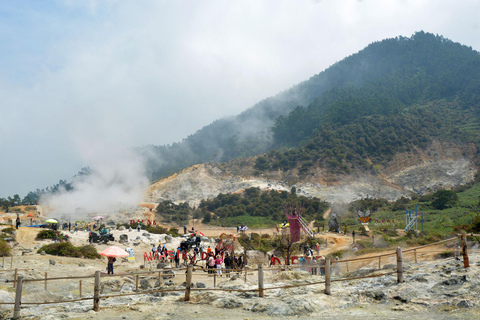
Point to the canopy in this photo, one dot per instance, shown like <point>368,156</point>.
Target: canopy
<point>97,218</point>
<point>30,215</point>
<point>51,221</point>
<point>114,251</point>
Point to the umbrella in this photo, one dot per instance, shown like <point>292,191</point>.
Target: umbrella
<point>97,218</point>
<point>30,215</point>
<point>114,251</point>
<point>51,221</point>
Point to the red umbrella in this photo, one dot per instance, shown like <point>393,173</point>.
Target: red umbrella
<point>30,215</point>
<point>114,252</point>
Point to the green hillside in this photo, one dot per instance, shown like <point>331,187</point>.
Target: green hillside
<point>391,87</point>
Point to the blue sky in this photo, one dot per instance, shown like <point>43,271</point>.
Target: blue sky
<point>77,77</point>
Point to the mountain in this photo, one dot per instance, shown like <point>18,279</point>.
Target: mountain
<point>390,97</point>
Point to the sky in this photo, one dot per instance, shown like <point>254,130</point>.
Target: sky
<point>81,82</point>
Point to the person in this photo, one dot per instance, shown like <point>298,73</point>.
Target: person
<point>193,229</point>
<point>138,227</point>
<point>154,249</point>
<point>337,267</point>
<point>201,251</point>
<point>317,249</point>
<point>17,222</point>
<point>314,266</point>
<point>211,263</point>
<point>457,252</point>
<point>302,261</point>
<point>69,226</point>
<point>322,266</point>
<point>31,221</point>
<point>218,263</point>
<point>184,229</point>
<point>228,264</point>
<point>76,227</point>
<point>111,260</point>
<point>55,237</point>
<point>209,250</point>
<point>238,228</point>
<point>353,236</point>
<point>177,258</point>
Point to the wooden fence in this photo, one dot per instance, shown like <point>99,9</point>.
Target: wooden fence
<point>329,265</point>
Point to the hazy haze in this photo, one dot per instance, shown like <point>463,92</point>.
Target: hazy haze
<point>81,80</point>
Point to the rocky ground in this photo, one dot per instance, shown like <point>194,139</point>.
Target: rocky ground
<point>433,289</point>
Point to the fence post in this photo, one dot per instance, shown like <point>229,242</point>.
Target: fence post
<point>11,261</point>
<point>96,292</point>
<point>347,266</point>
<point>245,275</point>
<point>327,276</point>
<point>188,283</point>
<point>136,284</point>
<point>415,252</point>
<point>45,281</point>
<point>379,263</point>
<point>260,280</point>
<point>466,262</point>
<point>15,277</point>
<point>3,263</point>
<point>80,288</point>
<point>18,299</point>
<point>215,279</point>
<point>399,265</point>
<point>159,278</point>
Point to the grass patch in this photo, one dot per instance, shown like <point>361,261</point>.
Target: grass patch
<point>5,249</point>
<point>66,249</point>
<point>250,221</point>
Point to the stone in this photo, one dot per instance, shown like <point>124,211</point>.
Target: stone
<point>228,303</point>
<point>161,265</point>
<point>127,287</point>
<point>389,266</point>
<point>146,234</point>
<point>81,264</point>
<point>201,285</point>
<point>136,243</point>
<point>375,294</point>
<point>184,284</point>
<point>122,228</point>
<point>123,238</point>
<point>43,253</point>
<point>144,284</point>
<point>52,262</point>
<point>168,238</point>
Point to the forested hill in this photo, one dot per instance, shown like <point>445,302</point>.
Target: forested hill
<point>390,96</point>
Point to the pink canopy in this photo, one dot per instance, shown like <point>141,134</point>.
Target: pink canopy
<point>114,252</point>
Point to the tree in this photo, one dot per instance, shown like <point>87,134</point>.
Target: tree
<point>443,199</point>
<point>283,243</point>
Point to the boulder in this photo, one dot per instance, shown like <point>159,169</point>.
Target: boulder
<point>136,243</point>
<point>144,284</point>
<point>146,234</point>
<point>52,262</point>
<point>201,285</point>
<point>81,264</point>
<point>43,253</point>
<point>123,238</point>
<point>122,228</point>
<point>168,238</point>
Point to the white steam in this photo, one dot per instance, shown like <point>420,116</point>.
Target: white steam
<point>117,181</point>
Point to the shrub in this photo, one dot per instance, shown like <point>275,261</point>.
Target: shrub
<point>444,255</point>
<point>5,249</point>
<point>48,234</point>
<point>9,230</point>
<point>66,249</point>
